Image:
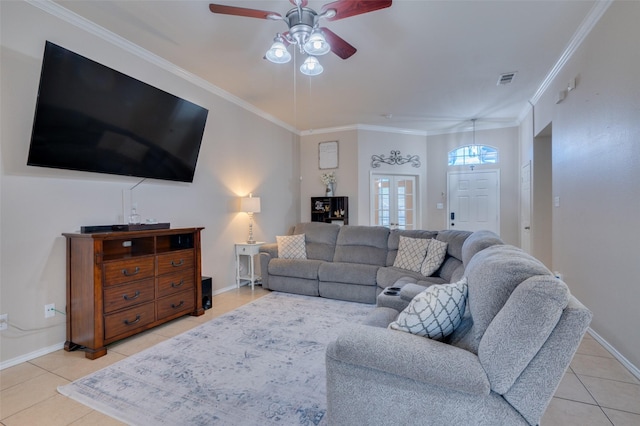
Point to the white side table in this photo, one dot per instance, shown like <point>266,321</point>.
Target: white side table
<point>245,249</point>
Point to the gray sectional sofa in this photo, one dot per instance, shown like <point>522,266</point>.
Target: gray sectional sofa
<point>355,263</point>
<point>501,365</point>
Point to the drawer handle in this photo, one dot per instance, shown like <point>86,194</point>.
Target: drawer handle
<point>135,296</point>
<point>180,284</point>
<point>180,263</point>
<point>126,273</point>
<point>174,306</point>
<point>127,322</point>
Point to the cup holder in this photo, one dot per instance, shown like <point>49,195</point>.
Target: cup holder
<point>394,288</point>
<point>391,292</point>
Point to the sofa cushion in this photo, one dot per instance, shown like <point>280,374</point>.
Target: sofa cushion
<point>519,330</point>
<point>320,239</point>
<point>393,242</point>
<point>291,246</point>
<point>434,312</point>
<point>455,239</point>
<point>295,268</point>
<point>451,270</point>
<point>411,253</point>
<point>492,274</point>
<point>388,275</point>
<point>362,244</point>
<point>348,273</point>
<point>436,253</point>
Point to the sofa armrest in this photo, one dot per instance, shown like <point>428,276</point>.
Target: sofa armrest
<point>270,248</point>
<point>266,253</point>
<point>413,357</point>
<point>409,291</point>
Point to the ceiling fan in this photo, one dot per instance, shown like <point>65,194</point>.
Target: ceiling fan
<point>304,29</point>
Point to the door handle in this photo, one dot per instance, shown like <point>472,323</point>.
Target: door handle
<point>453,216</point>
<point>527,227</point>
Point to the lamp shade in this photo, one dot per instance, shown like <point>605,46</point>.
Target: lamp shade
<point>250,204</point>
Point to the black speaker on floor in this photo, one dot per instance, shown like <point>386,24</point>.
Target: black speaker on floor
<point>207,296</point>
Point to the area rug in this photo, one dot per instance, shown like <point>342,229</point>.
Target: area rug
<point>260,364</point>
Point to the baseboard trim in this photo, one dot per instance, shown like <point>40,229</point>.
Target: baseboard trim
<point>31,355</point>
<point>44,351</point>
<point>617,355</point>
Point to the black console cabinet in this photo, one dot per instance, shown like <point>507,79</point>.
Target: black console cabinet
<point>330,209</point>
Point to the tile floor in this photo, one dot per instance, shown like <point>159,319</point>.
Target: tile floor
<point>596,389</point>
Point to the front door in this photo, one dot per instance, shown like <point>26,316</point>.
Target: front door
<point>474,200</point>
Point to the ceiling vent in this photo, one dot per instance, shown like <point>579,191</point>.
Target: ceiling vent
<point>506,78</point>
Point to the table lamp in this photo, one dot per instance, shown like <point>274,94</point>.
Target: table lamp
<point>250,205</point>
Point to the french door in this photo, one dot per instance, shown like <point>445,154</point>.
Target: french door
<point>394,201</point>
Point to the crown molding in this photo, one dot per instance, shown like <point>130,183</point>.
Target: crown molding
<point>592,18</point>
<point>382,129</point>
<point>78,21</point>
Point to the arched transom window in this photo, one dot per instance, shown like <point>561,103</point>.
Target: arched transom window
<point>473,155</point>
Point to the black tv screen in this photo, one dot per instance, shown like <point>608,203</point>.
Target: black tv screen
<point>92,118</point>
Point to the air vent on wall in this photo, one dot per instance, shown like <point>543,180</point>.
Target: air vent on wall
<point>506,78</point>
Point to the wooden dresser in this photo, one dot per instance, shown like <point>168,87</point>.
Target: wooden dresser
<point>122,283</point>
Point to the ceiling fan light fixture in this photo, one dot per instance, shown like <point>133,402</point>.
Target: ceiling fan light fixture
<point>278,53</point>
<point>317,45</point>
<point>311,66</point>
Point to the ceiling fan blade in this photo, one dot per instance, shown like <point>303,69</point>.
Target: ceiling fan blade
<point>338,45</point>
<point>347,8</point>
<point>241,11</point>
<point>303,3</point>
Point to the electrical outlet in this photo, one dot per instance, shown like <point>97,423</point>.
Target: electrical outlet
<point>4,321</point>
<point>50,310</point>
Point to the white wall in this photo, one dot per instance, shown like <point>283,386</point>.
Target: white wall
<point>380,142</point>
<point>347,173</point>
<point>356,146</point>
<point>507,142</point>
<point>240,153</point>
<point>595,170</point>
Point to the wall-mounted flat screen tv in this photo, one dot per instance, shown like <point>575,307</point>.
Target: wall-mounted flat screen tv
<point>92,118</point>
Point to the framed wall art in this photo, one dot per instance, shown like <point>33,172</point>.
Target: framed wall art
<point>328,155</point>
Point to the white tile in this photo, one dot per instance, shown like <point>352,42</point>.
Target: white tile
<point>571,388</point>
<point>562,412</point>
<point>614,394</point>
<point>622,418</point>
<point>606,368</point>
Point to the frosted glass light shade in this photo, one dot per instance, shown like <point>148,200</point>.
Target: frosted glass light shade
<point>250,204</point>
<point>278,53</point>
<point>317,45</point>
<point>311,66</point>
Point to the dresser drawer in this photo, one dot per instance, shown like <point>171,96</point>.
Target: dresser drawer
<point>179,303</point>
<point>175,261</point>
<point>175,282</point>
<point>126,321</point>
<point>126,295</point>
<point>128,270</point>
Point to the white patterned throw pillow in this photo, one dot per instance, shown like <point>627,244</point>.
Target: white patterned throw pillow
<point>411,252</point>
<point>291,246</point>
<point>435,312</point>
<point>435,256</point>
